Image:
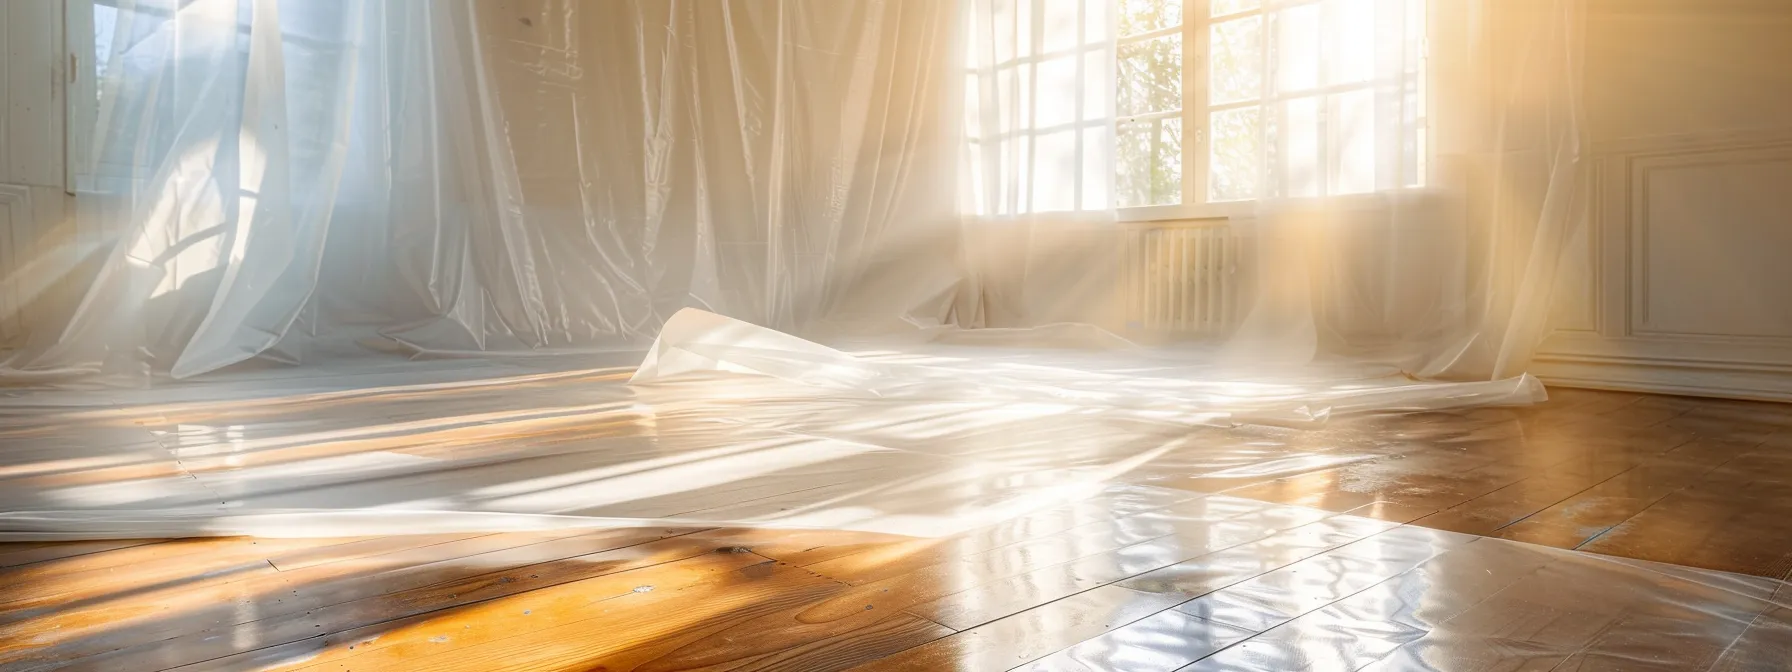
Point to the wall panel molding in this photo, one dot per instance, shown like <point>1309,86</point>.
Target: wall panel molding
<point>1684,231</point>
<point>1738,230</point>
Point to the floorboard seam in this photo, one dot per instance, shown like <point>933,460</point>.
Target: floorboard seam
<point>427,612</point>
<point>1657,500</point>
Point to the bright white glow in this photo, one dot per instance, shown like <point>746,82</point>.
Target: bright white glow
<point>1055,188</point>
<point>1301,164</point>
<point>1299,464</point>
<point>1057,92</point>
<point>1354,113</point>
<point>1098,167</point>
<point>1298,47</point>
<point>1350,30</point>
<point>604,486</point>
<point>1060,25</point>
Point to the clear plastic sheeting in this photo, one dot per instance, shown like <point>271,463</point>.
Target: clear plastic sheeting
<point>726,423</point>
<point>1392,181</point>
<point>749,189</point>
<point>271,179</point>
<point>581,449</point>
<point>274,179</point>
<point>874,254</point>
<point>1404,598</point>
<point>1164,384</point>
<point>1148,579</point>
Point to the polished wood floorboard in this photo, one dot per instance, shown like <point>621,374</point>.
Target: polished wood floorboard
<point>1314,570</point>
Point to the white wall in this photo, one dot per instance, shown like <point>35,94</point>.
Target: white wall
<point>33,203</point>
<point>1686,273</point>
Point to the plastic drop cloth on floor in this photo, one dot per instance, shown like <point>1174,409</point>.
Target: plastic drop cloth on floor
<point>728,424</point>
<point>724,423</point>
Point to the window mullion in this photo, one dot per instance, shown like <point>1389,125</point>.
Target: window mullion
<point>1036,46</point>
<point>1082,79</point>
<point>1150,34</point>
<point>1152,116</point>
<point>1195,122</point>
<point>1267,165</point>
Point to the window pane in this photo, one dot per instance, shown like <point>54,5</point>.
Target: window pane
<point>1300,147</point>
<point>973,107</point>
<point>1415,88</point>
<point>105,24</point>
<point>1144,16</point>
<point>1418,156</point>
<point>1150,76</point>
<point>1001,30</point>
<point>1413,154</point>
<point>1224,7</point>
<point>1354,127</point>
<point>1237,72</point>
<point>1098,90</point>
<point>974,196</point>
<point>1350,33</point>
<point>1015,161</point>
<point>1057,92</point>
<point>1297,48</point>
<point>1095,22</point>
<point>1021,159</point>
<point>1014,98</point>
<point>1055,173</point>
<point>1149,163</point>
<point>1096,168</point>
<point>1023,23</point>
<point>1232,155</point>
<point>1060,25</point>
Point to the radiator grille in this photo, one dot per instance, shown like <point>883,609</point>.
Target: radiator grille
<point>1181,281</point>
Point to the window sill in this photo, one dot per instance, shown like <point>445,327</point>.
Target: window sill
<point>1369,202</point>
<point>1171,213</point>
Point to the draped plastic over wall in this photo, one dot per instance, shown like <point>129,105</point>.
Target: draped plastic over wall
<point>496,177</point>
<point>504,176</point>
<point>1417,219</point>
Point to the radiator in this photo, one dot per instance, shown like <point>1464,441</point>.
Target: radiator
<point>1180,281</point>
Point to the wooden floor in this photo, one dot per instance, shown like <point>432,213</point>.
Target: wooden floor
<point>1219,572</point>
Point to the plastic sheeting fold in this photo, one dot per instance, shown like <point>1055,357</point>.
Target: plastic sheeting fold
<point>724,423</point>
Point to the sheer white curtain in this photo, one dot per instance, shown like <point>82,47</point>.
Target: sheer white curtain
<point>474,177</point>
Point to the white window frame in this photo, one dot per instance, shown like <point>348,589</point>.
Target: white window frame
<point>79,108</point>
<point>1031,132</point>
<point>1196,110</point>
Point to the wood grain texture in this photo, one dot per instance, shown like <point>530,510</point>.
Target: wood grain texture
<point>1163,571</point>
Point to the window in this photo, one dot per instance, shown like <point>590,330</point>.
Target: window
<point>105,27</point>
<point>1199,105</point>
<point>1223,101</point>
<point>1039,106</point>
<point>201,51</point>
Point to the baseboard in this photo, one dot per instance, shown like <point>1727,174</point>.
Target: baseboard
<point>1677,378</point>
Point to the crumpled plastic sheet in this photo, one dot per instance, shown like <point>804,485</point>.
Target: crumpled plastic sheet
<point>730,424</point>
<point>696,342</point>
<point>724,423</point>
